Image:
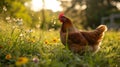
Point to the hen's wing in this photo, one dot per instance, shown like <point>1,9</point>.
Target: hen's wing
<point>76,42</point>
<point>76,38</point>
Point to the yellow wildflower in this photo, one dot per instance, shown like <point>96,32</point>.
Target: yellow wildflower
<point>55,40</point>
<point>21,61</point>
<point>46,42</point>
<point>8,56</point>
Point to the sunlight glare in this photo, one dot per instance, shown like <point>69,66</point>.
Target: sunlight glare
<point>118,6</point>
<point>53,5</point>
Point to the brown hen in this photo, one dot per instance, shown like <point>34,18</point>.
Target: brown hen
<point>80,41</point>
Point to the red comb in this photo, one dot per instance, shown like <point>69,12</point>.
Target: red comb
<point>61,14</point>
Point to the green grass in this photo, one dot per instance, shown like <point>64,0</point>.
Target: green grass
<point>46,48</point>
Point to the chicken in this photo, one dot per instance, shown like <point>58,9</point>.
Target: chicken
<point>80,41</point>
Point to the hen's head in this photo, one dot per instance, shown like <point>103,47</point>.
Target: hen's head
<point>62,18</point>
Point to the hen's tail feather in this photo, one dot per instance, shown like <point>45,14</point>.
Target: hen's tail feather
<point>101,28</point>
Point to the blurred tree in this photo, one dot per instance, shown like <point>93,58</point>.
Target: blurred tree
<point>43,24</point>
<point>99,8</point>
<point>15,9</point>
<point>88,12</point>
<point>48,18</point>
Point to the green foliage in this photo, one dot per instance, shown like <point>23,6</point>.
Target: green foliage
<point>44,49</point>
<point>15,9</point>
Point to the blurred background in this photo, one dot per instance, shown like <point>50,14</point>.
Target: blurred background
<point>43,14</point>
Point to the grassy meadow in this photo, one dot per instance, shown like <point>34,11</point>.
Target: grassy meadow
<point>24,47</point>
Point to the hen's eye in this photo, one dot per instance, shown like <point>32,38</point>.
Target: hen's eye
<point>64,19</point>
